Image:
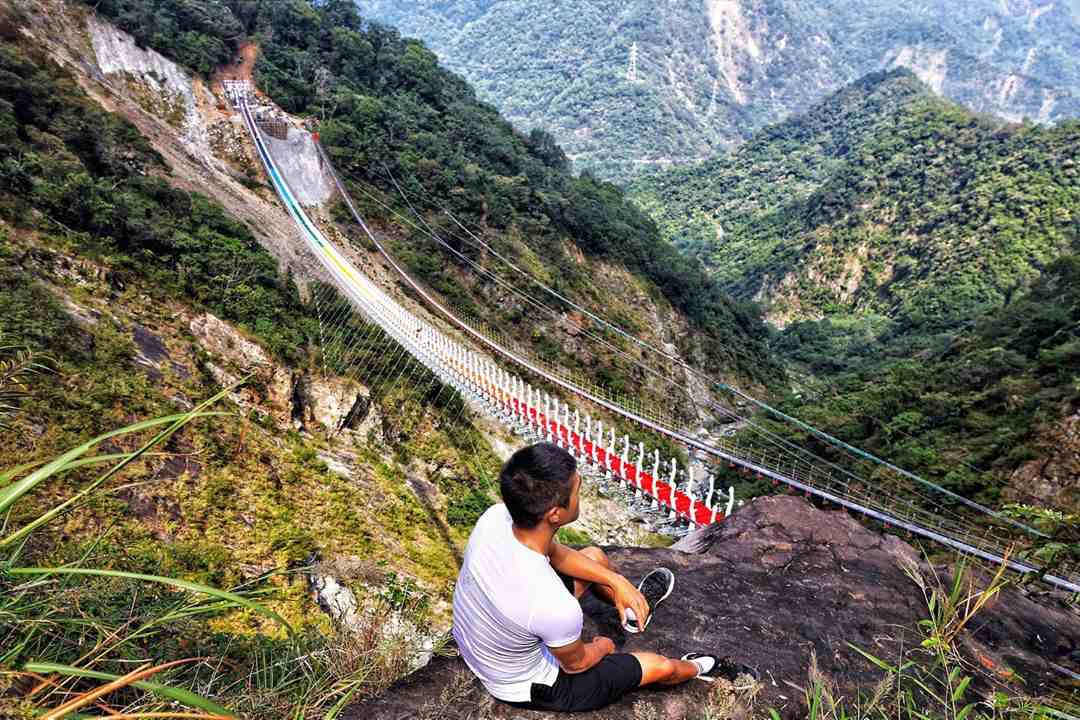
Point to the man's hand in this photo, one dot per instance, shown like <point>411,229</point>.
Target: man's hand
<point>625,595</point>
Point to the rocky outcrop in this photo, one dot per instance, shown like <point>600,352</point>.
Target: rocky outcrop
<point>298,159</point>
<point>230,356</point>
<point>159,85</point>
<point>1052,480</point>
<point>780,580</point>
<point>337,404</point>
<point>374,621</point>
<point>300,399</point>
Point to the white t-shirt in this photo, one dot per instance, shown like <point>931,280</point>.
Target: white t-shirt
<point>509,607</point>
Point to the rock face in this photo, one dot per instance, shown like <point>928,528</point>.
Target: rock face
<point>299,399</point>
<point>299,161</point>
<point>778,581</point>
<point>364,619</point>
<point>1054,478</point>
<point>159,84</point>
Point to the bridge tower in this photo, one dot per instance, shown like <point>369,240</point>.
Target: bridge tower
<point>631,71</point>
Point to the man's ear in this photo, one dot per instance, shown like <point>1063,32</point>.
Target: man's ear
<point>553,515</point>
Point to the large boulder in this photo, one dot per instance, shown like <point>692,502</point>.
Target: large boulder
<point>778,581</point>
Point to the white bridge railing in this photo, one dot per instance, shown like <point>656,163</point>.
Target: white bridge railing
<point>507,397</point>
<point>515,402</point>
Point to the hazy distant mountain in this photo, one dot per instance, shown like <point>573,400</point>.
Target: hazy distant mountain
<point>710,72</point>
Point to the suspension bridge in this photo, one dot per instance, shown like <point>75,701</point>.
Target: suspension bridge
<point>539,400</point>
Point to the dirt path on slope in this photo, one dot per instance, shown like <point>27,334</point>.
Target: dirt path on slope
<point>242,68</point>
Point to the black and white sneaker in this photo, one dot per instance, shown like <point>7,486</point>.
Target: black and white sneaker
<point>655,586</point>
<point>711,667</point>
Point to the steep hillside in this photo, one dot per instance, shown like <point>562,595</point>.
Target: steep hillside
<point>990,412</point>
<point>389,115</point>
<point>144,265</point>
<point>711,72</point>
<point>885,201</point>
<point>138,299</point>
<point>136,280</point>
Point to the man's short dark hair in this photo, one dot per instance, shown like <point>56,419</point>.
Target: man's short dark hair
<point>534,480</point>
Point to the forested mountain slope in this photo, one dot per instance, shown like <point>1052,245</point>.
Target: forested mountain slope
<point>143,265</point>
<point>388,112</point>
<point>921,260</point>
<point>711,72</point>
<point>137,298</point>
<point>883,201</point>
<point>992,415</point>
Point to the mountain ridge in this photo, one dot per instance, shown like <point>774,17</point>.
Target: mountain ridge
<point>412,142</point>
<point>918,259</point>
<point>710,73</point>
<point>882,199</point>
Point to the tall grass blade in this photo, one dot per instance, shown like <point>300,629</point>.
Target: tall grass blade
<point>183,584</point>
<point>85,699</point>
<point>874,659</point>
<point>13,492</point>
<point>8,475</point>
<point>179,694</point>
<point>815,700</point>
<point>958,693</point>
<point>129,458</point>
<point>10,494</point>
<point>333,712</point>
<point>148,715</point>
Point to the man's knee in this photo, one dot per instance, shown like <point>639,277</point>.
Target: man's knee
<point>655,668</point>
<point>594,553</point>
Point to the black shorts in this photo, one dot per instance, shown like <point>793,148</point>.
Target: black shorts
<point>602,684</point>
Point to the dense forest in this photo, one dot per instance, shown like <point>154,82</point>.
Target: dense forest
<point>966,415</point>
<point>69,166</point>
<point>921,260</point>
<point>885,203</point>
<point>710,74</point>
<point>80,180</point>
<point>387,110</point>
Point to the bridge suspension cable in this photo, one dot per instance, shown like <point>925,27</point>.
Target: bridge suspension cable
<point>952,523</point>
<point>690,370</point>
<point>512,399</point>
<point>757,429</point>
<point>955,524</point>
<point>509,287</point>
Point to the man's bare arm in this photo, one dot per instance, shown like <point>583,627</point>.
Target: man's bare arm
<point>579,565</point>
<point>579,656</point>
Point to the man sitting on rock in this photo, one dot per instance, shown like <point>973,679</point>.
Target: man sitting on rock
<point>517,620</point>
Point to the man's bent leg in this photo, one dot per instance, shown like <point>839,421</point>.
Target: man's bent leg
<point>580,586</point>
<point>660,670</point>
<point>602,684</point>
